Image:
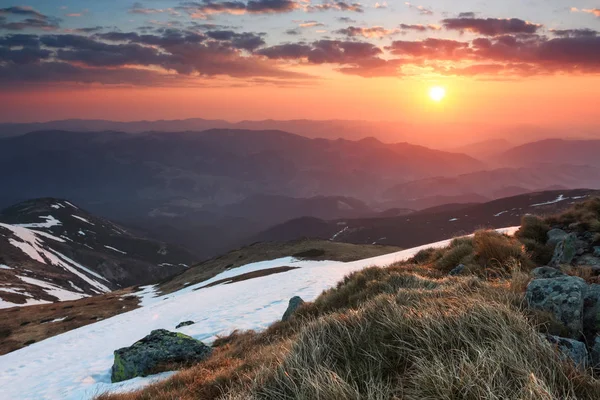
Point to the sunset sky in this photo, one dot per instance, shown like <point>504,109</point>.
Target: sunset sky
<point>501,62</point>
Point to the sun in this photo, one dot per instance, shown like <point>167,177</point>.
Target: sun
<point>437,93</point>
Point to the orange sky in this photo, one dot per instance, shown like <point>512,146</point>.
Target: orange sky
<point>540,101</point>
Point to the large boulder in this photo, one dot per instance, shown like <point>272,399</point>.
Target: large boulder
<point>570,349</point>
<point>595,353</point>
<point>562,297</point>
<point>565,250</point>
<point>158,349</point>
<point>294,304</point>
<point>591,311</point>
<point>555,236</point>
<point>546,273</point>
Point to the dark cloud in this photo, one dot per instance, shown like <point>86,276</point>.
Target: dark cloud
<point>205,8</point>
<point>293,32</point>
<point>437,49</point>
<point>26,18</point>
<point>213,53</point>
<point>469,14</point>
<point>351,57</point>
<point>244,41</point>
<point>574,32</point>
<point>491,26</point>
<point>138,8</point>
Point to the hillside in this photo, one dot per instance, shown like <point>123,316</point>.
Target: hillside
<point>492,184</point>
<point>575,152</point>
<point>52,250</point>
<point>433,224</point>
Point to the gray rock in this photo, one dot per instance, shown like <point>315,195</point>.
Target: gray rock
<point>546,273</point>
<point>555,236</point>
<point>595,353</point>
<point>565,251</point>
<point>158,348</point>
<point>591,311</point>
<point>562,297</point>
<point>588,260</point>
<point>571,350</point>
<point>294,304</point>
<point>184,323</point>
<point>457,270</point>
<point>596,251</point>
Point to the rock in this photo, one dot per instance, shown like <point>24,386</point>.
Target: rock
<point>595,353</point>
<point>588,260</point>
<point>591,311</point>
<point>295,303</point>
<point>546,273</point>
<point>184,323</point>
<point>571,350</point>
<point>457,270</point>
<point>562,297</point>
<point>555,236</point>
<point>565,251</point>
<point>596,251</point>
<point>158,348</point>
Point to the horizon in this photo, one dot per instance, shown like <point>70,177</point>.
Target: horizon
<point>523,64</point>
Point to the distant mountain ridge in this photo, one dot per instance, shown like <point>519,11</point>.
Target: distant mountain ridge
<point>52,250</point>
<point>428,225</point>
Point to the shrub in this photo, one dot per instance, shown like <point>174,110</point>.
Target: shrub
<point>533,228</point>
<point>494,251</point>
<point>453,256</point>
<point>539,253</point>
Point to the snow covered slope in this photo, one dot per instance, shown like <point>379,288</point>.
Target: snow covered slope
<point>51,250</point>
<point>76,364</point>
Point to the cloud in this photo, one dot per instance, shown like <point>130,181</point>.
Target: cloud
<point>468,14</point>
<point>491,26</point>
<point>309,24</point>
<point>594,11</point>
<point>372,32</point>
<point>420,9</point>
<point>419,28</point>
<point>349,57</point>
<point>26,18</point>
<point>381,5</point>
<point>205,8</point>
<point>337,6</point>
<point>243,41</point>
<point>347,20</point>
<point>574,32</point>
<point>173,53</point>
<point>437,49</point>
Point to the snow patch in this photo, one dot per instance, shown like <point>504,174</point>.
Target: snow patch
<point>53,290</point>
<point>339,233</point>
<point>557,200</point>
<point>82,219</point>
<point>500,213</point>
<point>453,219</point>
<point>113,249</point>
<point>49,222</point>
<point>2,266</point>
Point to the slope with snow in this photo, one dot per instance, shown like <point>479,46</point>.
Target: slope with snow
<point>76,364</point>
<point>51,250</point>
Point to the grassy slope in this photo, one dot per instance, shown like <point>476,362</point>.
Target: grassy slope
<point>407,331</point>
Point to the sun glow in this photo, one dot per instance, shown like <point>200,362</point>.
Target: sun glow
<point>437,93</point>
